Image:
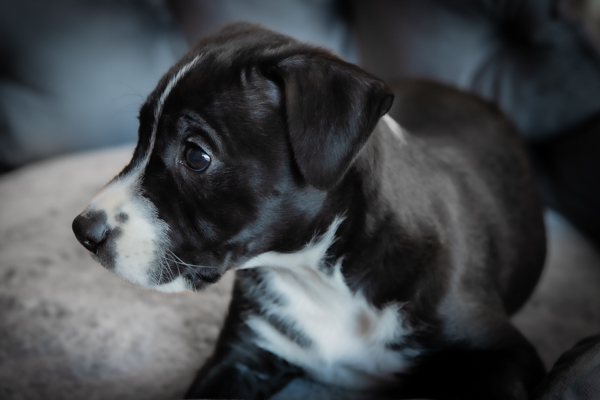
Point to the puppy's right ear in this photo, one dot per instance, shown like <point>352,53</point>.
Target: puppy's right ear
<point>332,108</point>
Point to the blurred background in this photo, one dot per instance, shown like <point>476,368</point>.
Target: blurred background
<point>75,72</point>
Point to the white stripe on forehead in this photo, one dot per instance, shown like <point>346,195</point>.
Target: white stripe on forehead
<point>133,178</point>
<point>161,101</point>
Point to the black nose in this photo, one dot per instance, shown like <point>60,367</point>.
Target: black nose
<point>91,229</point>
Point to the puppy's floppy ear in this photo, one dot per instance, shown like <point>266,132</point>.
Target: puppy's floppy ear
<point>332,108</point>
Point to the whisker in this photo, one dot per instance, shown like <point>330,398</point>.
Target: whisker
<point>176,264</point>
<point>160,270</point>
<point>170,270</point>
<point>190,265</point>
<point>177,294</point>
<point>179,260</point>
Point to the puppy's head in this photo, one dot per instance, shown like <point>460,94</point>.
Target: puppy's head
<point>240,146</point>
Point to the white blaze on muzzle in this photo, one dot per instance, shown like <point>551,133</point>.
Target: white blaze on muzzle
<point>138,242</point>
<point>137,239</point>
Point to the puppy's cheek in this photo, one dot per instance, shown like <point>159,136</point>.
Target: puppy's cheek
<point>138,239</point>
<point>140,248</point>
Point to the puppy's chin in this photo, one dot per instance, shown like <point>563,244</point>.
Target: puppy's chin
<point>163,276</point>
<point>177,285</point>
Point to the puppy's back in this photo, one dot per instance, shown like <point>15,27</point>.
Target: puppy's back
<point>443,118</point>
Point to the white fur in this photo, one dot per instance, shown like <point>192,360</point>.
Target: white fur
<point>348,334</point>
<point>143,236</point>
<point>140,248</point>
<point>394,128</point>
<point>163,97</point>
<point>177,285</point>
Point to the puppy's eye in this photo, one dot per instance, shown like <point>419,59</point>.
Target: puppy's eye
<point>196,159</point>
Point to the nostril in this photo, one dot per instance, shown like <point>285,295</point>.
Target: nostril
<point>91,229</point>
<point>95,241</point>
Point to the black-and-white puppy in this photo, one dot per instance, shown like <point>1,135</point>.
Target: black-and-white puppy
<point>366,256</point>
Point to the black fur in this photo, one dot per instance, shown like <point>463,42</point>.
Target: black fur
<point>449,225</point>
<point>332,108</point>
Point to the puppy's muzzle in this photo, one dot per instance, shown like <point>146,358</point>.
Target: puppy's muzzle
<point>91,229</point>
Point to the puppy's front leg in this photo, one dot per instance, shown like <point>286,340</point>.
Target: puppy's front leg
<point>239,368</point>
<point>237,372</point>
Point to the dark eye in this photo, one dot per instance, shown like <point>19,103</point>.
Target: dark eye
<point>196,159</point>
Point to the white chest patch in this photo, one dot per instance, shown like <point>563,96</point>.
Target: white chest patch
<point>348,336</point>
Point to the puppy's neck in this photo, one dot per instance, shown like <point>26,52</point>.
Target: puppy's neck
<point>380,244</point>
<point>374,181</point>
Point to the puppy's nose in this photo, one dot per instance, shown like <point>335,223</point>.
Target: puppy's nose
<point>91,229</point>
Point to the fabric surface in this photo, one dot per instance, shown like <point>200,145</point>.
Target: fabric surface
<point>320,22</point>
<point>524,55</point>
<point>74,73</point>
<point>71,330</point>
<point>576,374</point>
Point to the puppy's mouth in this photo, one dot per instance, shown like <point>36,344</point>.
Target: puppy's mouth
<point>132,249</point>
